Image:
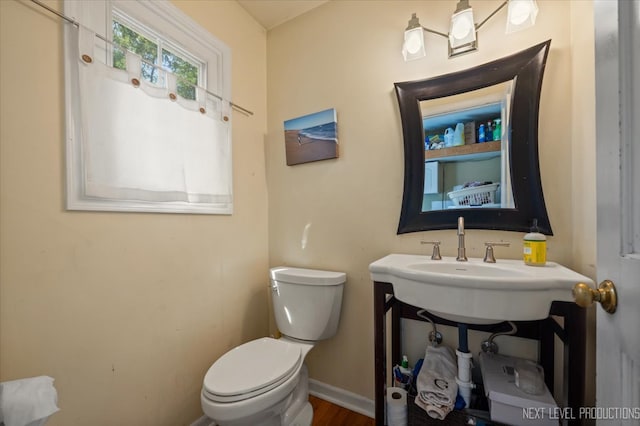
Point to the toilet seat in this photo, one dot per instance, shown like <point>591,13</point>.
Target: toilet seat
<point>251,369</point>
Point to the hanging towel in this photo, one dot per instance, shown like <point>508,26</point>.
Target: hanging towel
<point>437,412</point>
<point>436,384</point>
<point>27,401</point>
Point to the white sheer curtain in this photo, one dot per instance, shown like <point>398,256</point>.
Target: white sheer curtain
<point>145,143</point>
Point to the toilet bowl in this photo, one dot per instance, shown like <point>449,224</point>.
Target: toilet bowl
<point>264,382</point>
<point>255,383</point>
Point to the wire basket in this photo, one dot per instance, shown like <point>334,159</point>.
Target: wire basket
<point>475,195</point>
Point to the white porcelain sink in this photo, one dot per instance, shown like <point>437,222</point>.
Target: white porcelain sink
<point>475,292</point>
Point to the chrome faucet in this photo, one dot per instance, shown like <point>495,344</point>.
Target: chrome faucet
<point>462,256</point>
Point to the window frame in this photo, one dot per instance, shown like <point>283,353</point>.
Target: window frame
<point>162,44</point>
<point>176,29</point>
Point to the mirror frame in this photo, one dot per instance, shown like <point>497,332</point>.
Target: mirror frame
<point>526,69</point>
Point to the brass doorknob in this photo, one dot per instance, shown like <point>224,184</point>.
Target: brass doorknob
<point>605,294</point>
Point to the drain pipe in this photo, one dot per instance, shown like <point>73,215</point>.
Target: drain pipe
<point>464,364</point>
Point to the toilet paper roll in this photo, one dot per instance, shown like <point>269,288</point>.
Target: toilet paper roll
<point>27,401</point>
<point>396,406</point>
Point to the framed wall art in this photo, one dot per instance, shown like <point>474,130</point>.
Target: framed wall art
<point>312,137</point>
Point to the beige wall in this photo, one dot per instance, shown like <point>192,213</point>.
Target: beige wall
<point>342,214</point>
<point>125,311</point>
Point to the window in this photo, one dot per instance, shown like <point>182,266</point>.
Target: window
<point>143,134</point>
<point>129,35</point>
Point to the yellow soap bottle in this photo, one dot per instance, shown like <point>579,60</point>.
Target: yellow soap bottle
<point>535,247</point>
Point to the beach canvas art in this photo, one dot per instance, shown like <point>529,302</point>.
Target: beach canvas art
<point>311,137</point>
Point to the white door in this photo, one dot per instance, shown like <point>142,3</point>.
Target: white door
<point>617,25</point>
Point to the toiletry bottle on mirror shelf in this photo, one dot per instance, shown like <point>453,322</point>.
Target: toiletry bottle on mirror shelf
<point>497,130</point>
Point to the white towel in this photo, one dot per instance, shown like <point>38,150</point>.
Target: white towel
<point>437,412</point>
<point>436,384</point>
<point>27,401</point>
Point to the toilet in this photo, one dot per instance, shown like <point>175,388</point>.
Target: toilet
<point>264,382</point>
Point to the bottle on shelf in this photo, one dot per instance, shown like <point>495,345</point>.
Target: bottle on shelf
<point>497,129</point>
<point>488,132</point>
<point>481,134</point>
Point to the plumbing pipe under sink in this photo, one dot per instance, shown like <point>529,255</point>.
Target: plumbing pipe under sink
<point>464,376</point>
<point>464,364</point>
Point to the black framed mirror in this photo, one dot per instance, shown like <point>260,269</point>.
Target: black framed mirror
<point>523,74</point>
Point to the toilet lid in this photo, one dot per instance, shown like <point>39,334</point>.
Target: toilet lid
<point>255,365</point>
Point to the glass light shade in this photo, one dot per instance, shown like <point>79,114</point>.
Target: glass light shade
<point>462,30</point>
<point>413,47</point>
<point>521,14</point>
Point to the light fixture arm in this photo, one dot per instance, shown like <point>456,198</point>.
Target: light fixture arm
<point>492,14</point>
<point>463,31</point>
<point>414,23</point>
<point>504,3</point>
<point>435,32</point>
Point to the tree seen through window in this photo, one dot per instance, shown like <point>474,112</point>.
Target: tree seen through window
<point>126,38</point>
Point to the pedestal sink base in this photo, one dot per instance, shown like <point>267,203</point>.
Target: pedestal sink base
<point>547,331</point>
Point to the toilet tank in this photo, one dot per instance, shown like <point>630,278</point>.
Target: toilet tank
<point>306,302</point>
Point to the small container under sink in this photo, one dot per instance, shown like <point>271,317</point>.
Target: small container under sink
<point>509,404</point>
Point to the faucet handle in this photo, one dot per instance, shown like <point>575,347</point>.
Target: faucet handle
<point>436,249</point>
<point>488,255</point>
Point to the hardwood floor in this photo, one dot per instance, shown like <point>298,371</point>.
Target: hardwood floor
<point>328,414</point>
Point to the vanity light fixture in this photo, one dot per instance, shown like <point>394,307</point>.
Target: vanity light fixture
<point>462,36</point>
<point>462,30</point>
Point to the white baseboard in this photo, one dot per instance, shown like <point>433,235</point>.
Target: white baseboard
<point>203,421</point>
<point>338,396</point>
<point>343,398</point>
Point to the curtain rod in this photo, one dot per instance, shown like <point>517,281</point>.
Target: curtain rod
<point>77,24</point>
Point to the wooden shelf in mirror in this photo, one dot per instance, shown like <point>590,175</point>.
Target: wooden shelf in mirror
<point>476,151</point>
